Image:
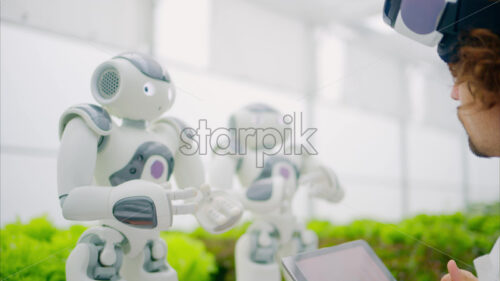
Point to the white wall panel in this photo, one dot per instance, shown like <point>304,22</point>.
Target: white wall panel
<point>364,151</point>
<point>434,170</point>
<point>434,156</point>
<point>253,43</point>
<point>41,77</point>
<point>331,62</point>
<point>484,179</point>
<point>28,188</point>
<point>362,201</point>
<point>358,144</point>
<point>121,23</point>
<point>439,109</point>
<point>432,199</point>
<point>182,33</point>
<point>374,82</point>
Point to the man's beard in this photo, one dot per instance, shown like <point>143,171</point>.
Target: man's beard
<point>475,150</point>
<point>472,146</point>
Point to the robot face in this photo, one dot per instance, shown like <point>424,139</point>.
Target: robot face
<point>261,117</point>
<point>133,86</point>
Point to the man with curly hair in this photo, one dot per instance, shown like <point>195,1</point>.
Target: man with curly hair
<point>477,87</point>
<point>476,71</point>
<point>468,32</point>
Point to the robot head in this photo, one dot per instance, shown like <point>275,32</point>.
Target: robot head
<point>133,86</point>
<point>266,120</point>
<point>441,21</point>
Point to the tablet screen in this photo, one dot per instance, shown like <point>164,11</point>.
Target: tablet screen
<point>353,261</point>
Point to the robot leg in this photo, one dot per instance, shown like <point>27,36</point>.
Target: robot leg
<point>307,240</point>
<point>149,265</point>
<point>97,256</point>
<point>254,261</point>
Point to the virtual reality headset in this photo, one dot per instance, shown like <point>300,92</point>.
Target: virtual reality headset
<point>441,22</point>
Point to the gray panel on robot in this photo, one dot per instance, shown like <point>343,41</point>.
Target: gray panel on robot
<point>133,169</point>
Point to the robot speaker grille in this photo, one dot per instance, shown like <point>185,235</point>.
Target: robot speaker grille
<point>108,84</point>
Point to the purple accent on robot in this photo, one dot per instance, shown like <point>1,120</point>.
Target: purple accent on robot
<point>284,172</point>
<point>157,169</point>
<point>267,171</point>
<point>422,16</point>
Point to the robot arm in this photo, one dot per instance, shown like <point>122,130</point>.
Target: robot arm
<point>80,200</point>
<point>322,180</point>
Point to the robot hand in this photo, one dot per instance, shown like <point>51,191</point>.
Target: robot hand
<point>217,211</point>
<point>323,183</point>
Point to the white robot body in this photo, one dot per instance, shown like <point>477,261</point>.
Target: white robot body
<point>124,143</point>
<point>249,170</point>
<point>275,228</point>
<point>268,192</point>
<point>120,175</point>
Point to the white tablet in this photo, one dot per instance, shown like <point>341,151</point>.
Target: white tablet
<point>352,261</point>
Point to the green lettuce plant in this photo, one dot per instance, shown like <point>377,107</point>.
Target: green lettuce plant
<point>415,248</point>
<point>37,251</point>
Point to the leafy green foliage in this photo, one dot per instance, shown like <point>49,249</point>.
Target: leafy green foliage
<point>37,251</point>
<point>416,248</point>
<point>189,257</point>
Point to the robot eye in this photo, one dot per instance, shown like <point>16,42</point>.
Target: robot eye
<point>148,89</point>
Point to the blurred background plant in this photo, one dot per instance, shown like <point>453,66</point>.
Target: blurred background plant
<point>37,251</point>
<point>416,248</point>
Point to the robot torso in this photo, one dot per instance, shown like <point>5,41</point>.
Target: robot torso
<point>130,153</point>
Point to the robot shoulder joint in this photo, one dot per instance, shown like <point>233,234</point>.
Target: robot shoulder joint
<point>96,118</point>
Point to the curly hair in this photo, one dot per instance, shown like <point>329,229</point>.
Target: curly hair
<point>478,65</point>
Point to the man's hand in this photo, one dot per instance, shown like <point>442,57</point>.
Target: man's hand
<point>457,274</point>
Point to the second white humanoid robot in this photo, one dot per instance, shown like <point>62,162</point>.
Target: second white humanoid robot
<point>270,170</point>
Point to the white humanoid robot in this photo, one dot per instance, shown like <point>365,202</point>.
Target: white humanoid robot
<point>119,175</point>
<point>268,190</point>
